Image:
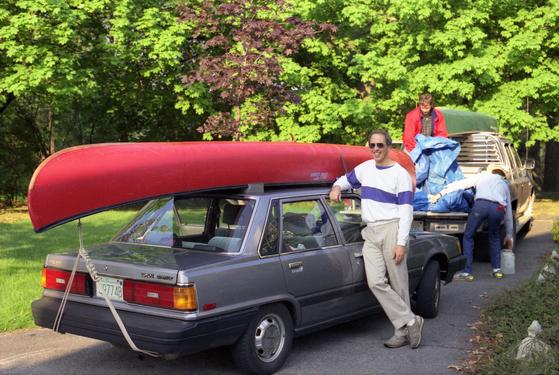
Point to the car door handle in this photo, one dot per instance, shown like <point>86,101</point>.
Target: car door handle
<point>358,254</point>
<point>295,265</point>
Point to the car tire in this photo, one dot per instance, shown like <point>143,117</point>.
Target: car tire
<point>428,292</point>
<point>266,343</point>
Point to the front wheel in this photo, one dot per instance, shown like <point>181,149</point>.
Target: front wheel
<point>266,343</point>
<point>428,292</point>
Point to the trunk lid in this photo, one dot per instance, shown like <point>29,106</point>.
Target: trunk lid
<point>138,262</point>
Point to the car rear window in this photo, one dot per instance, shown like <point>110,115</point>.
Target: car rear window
<point>205,223</point>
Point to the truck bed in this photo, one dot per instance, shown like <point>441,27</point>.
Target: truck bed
<point>457,215</point>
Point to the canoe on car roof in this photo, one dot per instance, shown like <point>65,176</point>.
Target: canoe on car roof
<point>83,180</point>
<point>459,121</point>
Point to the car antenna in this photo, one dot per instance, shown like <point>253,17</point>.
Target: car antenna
<point>344,165</point>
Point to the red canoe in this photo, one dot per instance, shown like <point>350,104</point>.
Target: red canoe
<point>82,180</point>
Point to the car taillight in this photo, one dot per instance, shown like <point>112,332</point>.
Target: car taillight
<point>159,295</point>
<point>58,279</point>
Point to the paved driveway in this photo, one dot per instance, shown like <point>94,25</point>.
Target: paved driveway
<point>352,348</point>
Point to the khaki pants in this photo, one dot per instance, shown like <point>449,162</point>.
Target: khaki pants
<point>393,296</point>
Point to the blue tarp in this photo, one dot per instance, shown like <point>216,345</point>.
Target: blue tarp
<point>435,167</point>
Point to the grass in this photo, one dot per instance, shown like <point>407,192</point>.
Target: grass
<point>503,324</point>
<point>555,230</point>
<point>547,206</point>
<point>22,253</point>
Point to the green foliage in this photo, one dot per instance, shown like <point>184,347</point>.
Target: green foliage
<point>23,253</point>
<point>555,230</point>
<point>505,324</point>
<point>74,72</point>
<point>498,57</point>
<point>239,45</point>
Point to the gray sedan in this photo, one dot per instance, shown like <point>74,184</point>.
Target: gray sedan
<point>248,268</point>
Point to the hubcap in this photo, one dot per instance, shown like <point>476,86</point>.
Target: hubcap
<point>269,337</point>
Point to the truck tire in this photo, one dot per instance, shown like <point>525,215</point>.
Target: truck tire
<point>428,292</point>
<point>266,343</point>
<point>481,247</point>
<point>529,211</point>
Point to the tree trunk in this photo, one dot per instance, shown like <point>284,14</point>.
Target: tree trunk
<point>10,98</point>
<point>237,133</point>
<point>550,175</point>
<point>52,146</point>
<point>536,152</point>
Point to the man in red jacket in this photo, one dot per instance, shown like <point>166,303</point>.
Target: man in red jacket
<point>424,119</point>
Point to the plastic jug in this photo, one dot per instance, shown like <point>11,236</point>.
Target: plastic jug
<point>507,262</point>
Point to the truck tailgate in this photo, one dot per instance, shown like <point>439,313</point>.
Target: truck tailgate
<point>440,222</point>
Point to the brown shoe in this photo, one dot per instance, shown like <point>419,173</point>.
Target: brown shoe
<point>415,331</point>
<point>396,342</point>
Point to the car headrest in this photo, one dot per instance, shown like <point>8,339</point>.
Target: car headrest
<point>295,223</point>
<point>230,213</point>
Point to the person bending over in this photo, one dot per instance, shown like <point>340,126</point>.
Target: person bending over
<point>492,203</point>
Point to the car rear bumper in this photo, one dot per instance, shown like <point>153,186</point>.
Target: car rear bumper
<point>153,333</point>
<point>454,265</point>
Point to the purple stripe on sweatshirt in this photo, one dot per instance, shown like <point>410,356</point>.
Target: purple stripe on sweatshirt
<point>353,181</point>
<point>378,195</point>
<point>405,197</point>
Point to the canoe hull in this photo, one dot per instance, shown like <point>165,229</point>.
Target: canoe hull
<point>82,180</point>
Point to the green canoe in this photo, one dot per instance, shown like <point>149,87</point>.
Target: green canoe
<point>458,121</point>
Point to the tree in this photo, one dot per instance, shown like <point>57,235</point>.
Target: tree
<point>74,72</point>
<point>493,56</point>
<point>235,62</point>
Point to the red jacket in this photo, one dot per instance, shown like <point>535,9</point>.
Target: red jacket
<point>413,126</point>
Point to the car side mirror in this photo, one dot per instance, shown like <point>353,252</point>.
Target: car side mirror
<point>529,164</point>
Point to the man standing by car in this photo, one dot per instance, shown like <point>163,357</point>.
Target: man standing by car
<point>424,119</point>
<point>386,208</point>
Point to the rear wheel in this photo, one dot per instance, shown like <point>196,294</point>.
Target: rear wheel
<point>530,209</point>
<point>266,343</point>
<point>428,292</point>
<point>530,213</point>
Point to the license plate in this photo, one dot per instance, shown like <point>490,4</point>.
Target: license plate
<point>446,227</point>
<point>417,226</point>
<point>110,287</point>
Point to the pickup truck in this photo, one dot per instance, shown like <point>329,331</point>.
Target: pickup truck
<point>478,150</point>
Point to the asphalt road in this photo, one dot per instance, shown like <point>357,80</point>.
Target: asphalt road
<point>352,348</point>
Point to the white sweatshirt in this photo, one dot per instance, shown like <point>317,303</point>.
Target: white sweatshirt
<point>386,194</point>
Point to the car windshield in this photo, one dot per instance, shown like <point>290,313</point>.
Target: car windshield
<point>207,223</point>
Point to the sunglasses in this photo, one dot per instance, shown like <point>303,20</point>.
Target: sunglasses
<point>377,145</point>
